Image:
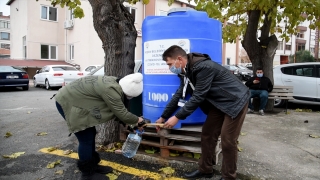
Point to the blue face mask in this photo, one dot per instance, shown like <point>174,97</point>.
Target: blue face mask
<point>260,75</point>
<point>174,69</point>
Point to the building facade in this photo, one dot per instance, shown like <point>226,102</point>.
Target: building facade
<point>4,36</point>
<point>306,39</point>
<point>42,32</point>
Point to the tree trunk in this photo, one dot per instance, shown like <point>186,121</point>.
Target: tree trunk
<point>115,27</point>
<point>261,53</point>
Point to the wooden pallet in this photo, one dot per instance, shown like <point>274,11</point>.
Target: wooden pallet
<point>184,139</point>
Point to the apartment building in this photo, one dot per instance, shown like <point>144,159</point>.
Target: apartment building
<point>43,33</point>
<point>306,39</point>
<point>4,36</point>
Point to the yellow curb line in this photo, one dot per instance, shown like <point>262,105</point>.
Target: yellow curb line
<point>115,166</point>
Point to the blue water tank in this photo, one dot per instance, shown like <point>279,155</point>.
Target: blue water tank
<point>192,30</point>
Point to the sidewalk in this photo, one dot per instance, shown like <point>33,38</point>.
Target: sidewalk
<point>277,146</point>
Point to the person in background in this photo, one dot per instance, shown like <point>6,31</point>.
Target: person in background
<point>259,86</point>
<point>93,100</point>
<point>220,95</point>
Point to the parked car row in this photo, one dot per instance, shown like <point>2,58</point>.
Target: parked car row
<point>55,75</point>
<point>11,76</point>
<point>241,72</point>
<point>304,77</point>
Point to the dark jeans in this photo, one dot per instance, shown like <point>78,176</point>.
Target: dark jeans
<point>86,139</point>
<point>262,94</point>
<point>218,123</point>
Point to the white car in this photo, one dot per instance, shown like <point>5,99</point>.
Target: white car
<point>89,69</point>
<point>55,75</point>
<point>305,79</point>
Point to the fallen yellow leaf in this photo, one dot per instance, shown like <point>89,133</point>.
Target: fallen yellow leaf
<point>14,155</point>
<point>112,176</point>
<point>8,134</point>
<point>41,134</point>
<point>60,172</point>
<point>29,112</point>
<point>111,150</point>
<point>196,155</point>
<point>243,133</point>
<point>174,154</point>
<point>168,171</point>
<point>314,136</point>
<point>50,149</point>
<point>53,164</point>
<point>239,149</point>
<point>67,152</point>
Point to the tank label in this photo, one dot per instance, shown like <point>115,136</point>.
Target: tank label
<point>153,50</point>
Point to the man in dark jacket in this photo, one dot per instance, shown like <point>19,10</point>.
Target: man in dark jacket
<point>220,95</point>
<point>259,86</point>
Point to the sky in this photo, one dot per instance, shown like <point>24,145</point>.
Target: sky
<point>4,8</point>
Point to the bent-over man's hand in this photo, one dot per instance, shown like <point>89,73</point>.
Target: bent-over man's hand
<point>171,122</point>
<point>159,121</point>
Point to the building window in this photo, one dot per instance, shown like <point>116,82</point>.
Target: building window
<point>5,24</point>
<point>5,36</point>
<point>312,50</point>
<point>163,13</point>
<point>300,35</point>
<point>48,52</point>
<point>49,13</point>
<point>288,47</point>
<point>5,46</point>
<point>228,61</point>
<point>133,12</point>
<point>280,45</point>
<point>71,51</point>
<point>300,47</point>
<point>24,46</point>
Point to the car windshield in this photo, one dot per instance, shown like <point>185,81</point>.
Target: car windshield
<point>10,69</point>
<point>232,68</point>
<point>64,68</point>
<point>97,71</point>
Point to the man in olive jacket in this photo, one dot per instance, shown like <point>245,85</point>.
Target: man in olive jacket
<point>220,95</point>
<point>92,100</point>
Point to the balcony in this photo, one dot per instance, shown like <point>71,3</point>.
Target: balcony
<point>300,41</point>
<point>302,28</point>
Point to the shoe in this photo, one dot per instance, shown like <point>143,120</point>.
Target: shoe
<point>88,171</point>
<point>197,174</point>
<point>103,169</point>
<point>250,111</point>
<point>261,112</point>
<point>100,169</point>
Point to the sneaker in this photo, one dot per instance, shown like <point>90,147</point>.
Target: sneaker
<point>261,112</point>
<point>250,111</point>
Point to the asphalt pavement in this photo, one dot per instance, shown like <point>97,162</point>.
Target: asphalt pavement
<point>275,146</point>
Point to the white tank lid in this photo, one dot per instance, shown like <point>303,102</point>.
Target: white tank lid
<point>180,9</point>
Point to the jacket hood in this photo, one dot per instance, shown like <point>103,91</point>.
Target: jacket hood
<point>194,58</point>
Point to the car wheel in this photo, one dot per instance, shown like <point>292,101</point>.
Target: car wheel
<point>35,83</point>
<point>25,88</point>
<point>47,85</point>
<point>278,102</point>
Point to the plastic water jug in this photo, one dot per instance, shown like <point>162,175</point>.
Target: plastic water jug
<point>131,145</point>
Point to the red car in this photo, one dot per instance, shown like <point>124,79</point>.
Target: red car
<point>11,76</point>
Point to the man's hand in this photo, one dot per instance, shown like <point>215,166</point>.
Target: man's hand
<point>256,81</point>
<point>171,122</point>
<point>159,121</point>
